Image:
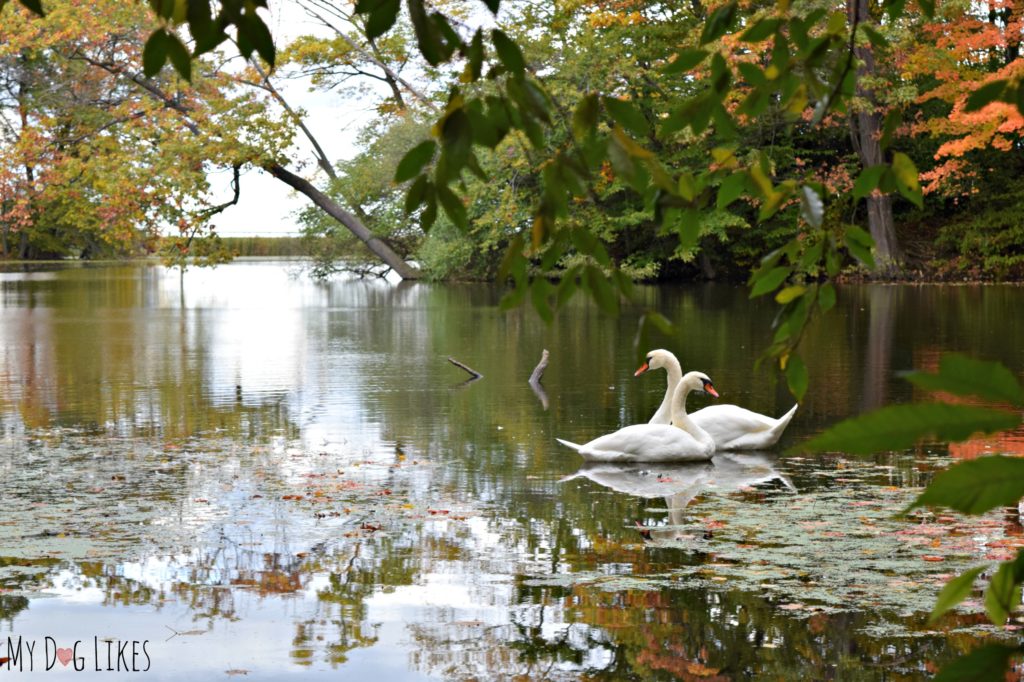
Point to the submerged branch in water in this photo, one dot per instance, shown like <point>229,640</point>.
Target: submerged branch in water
<point>475,374</point>
<point>535,378</point>
<point>538,371</point>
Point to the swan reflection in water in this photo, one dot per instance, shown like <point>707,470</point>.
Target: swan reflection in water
<point>680,483</point>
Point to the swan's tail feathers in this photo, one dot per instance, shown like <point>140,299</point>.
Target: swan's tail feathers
<point>569,444</point>
<point>782,423</point>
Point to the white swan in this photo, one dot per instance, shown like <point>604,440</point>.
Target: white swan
<point>681,441</point>
<point>732,427</point>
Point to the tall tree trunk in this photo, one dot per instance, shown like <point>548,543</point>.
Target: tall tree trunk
<point>865,132</point>
<point>356,226</point>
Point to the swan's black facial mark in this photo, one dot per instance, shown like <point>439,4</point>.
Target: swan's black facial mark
<point>709,388</point>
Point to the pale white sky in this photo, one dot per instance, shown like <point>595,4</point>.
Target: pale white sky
<point>268,206</point>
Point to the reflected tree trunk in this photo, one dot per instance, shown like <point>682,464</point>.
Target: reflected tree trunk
<point>878,358</point>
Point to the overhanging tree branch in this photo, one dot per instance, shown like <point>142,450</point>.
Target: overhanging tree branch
<point>321,200</point>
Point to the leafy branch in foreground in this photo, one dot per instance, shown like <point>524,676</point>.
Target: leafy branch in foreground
<point>805,70</point>
<point>971,487</point>
<point>208,30</point>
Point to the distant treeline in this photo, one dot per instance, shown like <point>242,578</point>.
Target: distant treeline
<point>266,246</point>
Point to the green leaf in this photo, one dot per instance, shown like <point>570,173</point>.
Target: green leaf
<point>659,322</point>
<point>414,161</point>
<point>985,95</point>
<point>964,375</point>
<point>584,119</point>
<point>985,664</point>
<point>859,236</point>
<point>762,30</point>
<point>894,8</point>
<point>429,213</point>
<point>687,186</point>
<point>721,75</point>
<point>685,60</point>
<point>868,181</point>
<point>252,29</point>
<point>382,18</point>
<point>417,193</point>
<point>877,40</point>
<point>567,285</point>
<point>694,112</point>
<point>588,244</point>
<point>179,55</point>
<point>1002,595</point>
<point>754,76</point>
<point>624,283</point>
<point>622,160</point>
<point>718,23</point>
<point>508,52</point>
<point>154,54</point>
<point>627,116</point>
<point>890,125</point>
<point>731,189</point>
<point>428,39</point>
<point>514,298</point>
<point>457,139</point>
<point>790,293</point>
<point>540,294</point>
<point>686,225</point>
<point>601,290</point>
<point>927,7</point>
<point>206,32</point>
<point>512,259</point>
<point>826,297</point>
<point>163,8</point>
<point>978,485</point>
<point>859,243</point>
<point>955,591</point>
<point>906,179</point>
<point>796,377</point>
<point>811,256</point>
<point>454,207</point>
<point>769,281</point>
<point>900,426</point>
<point>475,55</point>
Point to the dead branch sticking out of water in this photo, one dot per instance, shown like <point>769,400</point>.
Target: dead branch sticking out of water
<point>535,378</point>
<point>472,372</point>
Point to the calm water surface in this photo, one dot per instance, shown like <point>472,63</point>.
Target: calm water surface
<point>243,472</point>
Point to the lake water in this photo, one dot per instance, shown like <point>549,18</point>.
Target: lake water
<point>243,473</point>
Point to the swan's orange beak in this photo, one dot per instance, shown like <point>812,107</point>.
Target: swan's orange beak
<point>709,389</point>
<point>643,368</point>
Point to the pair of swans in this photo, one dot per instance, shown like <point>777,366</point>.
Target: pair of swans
<point>674,435</point>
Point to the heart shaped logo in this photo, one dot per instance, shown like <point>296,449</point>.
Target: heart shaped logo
<point>64,656</point>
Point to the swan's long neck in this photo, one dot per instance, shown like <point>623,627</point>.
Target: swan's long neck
<point>683,421</point>
<point>675,375</point>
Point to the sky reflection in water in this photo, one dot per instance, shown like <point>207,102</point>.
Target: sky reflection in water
<point>255,473</point>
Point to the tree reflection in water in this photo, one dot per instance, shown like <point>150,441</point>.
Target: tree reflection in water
<point>272,453</point>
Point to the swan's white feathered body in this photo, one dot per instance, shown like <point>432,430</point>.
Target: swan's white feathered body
<point>644,443</point>
<point>677,442</point>
<point>737,428</point>
<point>732,427</point>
